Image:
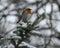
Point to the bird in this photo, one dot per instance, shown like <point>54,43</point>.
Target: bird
<point>25,14</point>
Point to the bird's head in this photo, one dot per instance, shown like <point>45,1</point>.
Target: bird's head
<point>29,11</point>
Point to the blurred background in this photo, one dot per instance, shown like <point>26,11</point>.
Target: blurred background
<point>41,30</point>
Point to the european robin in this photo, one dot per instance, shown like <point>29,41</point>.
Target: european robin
<point>25,15</point>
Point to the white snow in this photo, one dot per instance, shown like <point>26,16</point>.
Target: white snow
<point>26,44</point>
<point>58,27</point>
<point>31,1</point>
<point>56,23</point>
<point>47,8</point>
<point>55,7</point>
<point>12,6</point>
<point>42,23</point>
<point>13,12</point>
<point>24,24</point>
<point>41,11</point>
<point>35,40</point>
<point>43,32</point>
<point>5,12</point>
<point>11,18</point>
<point>33,17</point>
<point>1,7</point>
<point>55,41</point>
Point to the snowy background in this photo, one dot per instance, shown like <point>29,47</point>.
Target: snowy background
<point>43,34</point>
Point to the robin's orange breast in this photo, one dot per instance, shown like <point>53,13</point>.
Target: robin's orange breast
<point>29,11</point>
